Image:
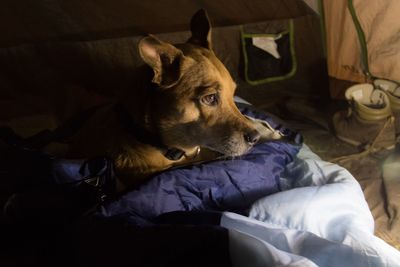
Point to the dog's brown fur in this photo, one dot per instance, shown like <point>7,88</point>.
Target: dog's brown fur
<point>174,101</point>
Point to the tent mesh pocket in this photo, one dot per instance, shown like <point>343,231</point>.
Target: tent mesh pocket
<point>268,57</point>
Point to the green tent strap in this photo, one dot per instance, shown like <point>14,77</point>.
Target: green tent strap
<point>322,24</point>
<point>361,39</point>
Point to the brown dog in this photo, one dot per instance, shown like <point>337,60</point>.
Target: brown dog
<point>183,101</point>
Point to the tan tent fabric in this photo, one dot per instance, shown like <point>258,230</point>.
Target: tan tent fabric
<point>380,23</point>
<point>381,26</point>
<point>381,192</point>
<point>343,49</point>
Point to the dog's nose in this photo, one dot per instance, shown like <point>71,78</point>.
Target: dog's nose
<point>252,137</point>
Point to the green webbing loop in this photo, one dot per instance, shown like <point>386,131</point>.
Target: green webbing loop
<point>361,39</point>
<point>322,24</point>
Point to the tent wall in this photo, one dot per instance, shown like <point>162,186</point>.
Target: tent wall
<point>313,4</point>
<point>30,21</point>
<point>54,54</point>
<point>380,24</point>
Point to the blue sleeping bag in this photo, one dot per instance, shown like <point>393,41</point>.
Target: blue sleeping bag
<point>222,185</point>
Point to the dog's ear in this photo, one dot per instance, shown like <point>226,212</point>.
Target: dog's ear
<point>165,60</point>
<point>200,27</point>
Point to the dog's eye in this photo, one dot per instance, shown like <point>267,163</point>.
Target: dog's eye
<point>210,100</point>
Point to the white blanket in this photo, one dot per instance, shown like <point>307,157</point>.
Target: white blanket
<point>320,219</point>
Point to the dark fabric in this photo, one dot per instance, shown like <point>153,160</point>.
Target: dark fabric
<point>262,65</point>
<point>221,185</point>
<point>40,187</point>
<point>44,222</point>
<point>25,21</point>
<point>88,242</point>
<point>169,245</point>
<point>191,218</point>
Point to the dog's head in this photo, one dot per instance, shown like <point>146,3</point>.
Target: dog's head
<point>193,104</point>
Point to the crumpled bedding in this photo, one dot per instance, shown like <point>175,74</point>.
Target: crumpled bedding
<point>221,185</point>
<point>321,219</point>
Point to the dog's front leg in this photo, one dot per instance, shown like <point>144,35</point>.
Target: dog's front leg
<point>136,163</point>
